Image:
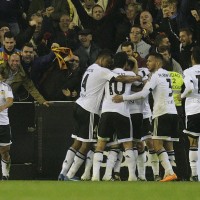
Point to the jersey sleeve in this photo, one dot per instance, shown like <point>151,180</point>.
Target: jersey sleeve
<point>150,85</point>
<point>8,92</point>
<point>107,74</point>
<point>189,85</point>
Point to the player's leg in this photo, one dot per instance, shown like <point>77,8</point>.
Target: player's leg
<point>153,157</point>
<point>131,154</point>
<point>88,166</point>
<point>98,158</point>
<point>193,157</point>
<point>170,151</point>
<point>141,160</point>
<point>111,161</point>
<point>69,159</point>
<point>164,160</point>
<point>79,159</point>
<point>147,137</point>
<point>5,161</point>
<point>117,166</point>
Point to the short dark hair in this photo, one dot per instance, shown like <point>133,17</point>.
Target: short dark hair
<point>156,55</point>
<point>136,26</point>
<point>104,53</point>
<point>120,59</point>
<point>187,30</point>
<point>8,35</point>
<point>159,38</point>
<point>126,44</point>
<point>28,44</point>
<point>162,49</point>
<point>196,54</point>
<point>97,5</point>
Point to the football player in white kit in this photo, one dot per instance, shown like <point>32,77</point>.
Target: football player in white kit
<point>6,100</point>
<point>87,111</point>
<point>192,109</point>
<point>115,119</point>
<point>164,111</point>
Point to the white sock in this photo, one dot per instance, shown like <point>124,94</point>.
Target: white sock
<point>69,158</point>
<point>88,164</point>
<point>118,162</point>
<point>171,156</point>
<point>141,160</point>
<point>164,160</point>
<point>131,159</point>
<point>193,157</point>
<point>153,157</point>
<point>78,161</point>
<point>97,160</point>
<point>110,163</point>
<point>5,165</point>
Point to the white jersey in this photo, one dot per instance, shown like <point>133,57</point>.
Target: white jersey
<point>5,92</point>
<point>92,87</point>
<point>160,85</point>
<point>192,103</point>
<point>144,73</point>
<point>136,106</point>
<point>114,88</point>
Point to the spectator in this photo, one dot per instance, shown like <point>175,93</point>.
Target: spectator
<point>186,46</point>
<point>35,66</point>
<point>16,76</point>
<point>169,63</point>
<point>8,48</point>
<point>10,11</point>
<point>141,47</point>
<point>88,50</point>
<point>102,25</point>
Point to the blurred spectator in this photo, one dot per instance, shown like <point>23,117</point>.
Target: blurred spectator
<point>149,28</point>
<point>35,66</point>
<point>62,31</point>
<point>128,48</point>
<point>170,64</point>
<point>88,50</point>
<point>186,47</point>
<point>48,7</point>
<point>63,84</point>
<point>102,26</point>
<point>10,11</point>
<point>16,77</point>
<point>126,20</point>
<point>141,47</point>
<point>8,47</point>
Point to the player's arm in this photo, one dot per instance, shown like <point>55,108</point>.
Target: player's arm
<point>151,84</point>
<point>7,104</point>
<point>189,86</point>
<point>128,79</point>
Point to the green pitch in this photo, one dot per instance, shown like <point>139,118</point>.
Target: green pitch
<point>54,190</point>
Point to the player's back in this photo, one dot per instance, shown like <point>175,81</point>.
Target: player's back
<point>192,104</point>
<point>162,93</point>
<point>92,87</point>
<point>113,88</point>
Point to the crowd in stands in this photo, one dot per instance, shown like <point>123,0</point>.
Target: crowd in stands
<point>57,40</point>
<point>47,45</point>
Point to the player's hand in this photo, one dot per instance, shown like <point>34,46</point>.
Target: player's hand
<point>117,99</point>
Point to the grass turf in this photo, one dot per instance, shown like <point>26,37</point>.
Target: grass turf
<point>54,190</point>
